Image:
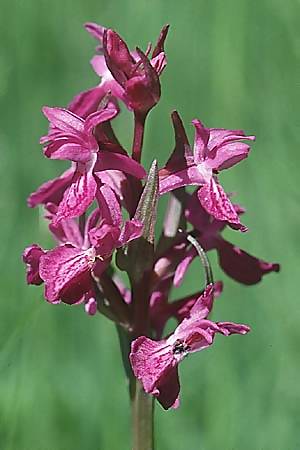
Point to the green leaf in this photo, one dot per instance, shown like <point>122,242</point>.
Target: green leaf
<point>137,257</point>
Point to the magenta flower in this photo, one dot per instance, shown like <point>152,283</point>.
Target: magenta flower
<point>31,257</point>
<point>71,138</point>
<point>236,263</point>
<point>67,269</point>
<point>155,363</point>
<point>128,76</point>
<point>215,149</point>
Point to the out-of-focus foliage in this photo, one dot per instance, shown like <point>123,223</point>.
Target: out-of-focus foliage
<point>232,64</point>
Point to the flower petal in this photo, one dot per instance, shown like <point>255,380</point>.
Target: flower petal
<point>200,142</point>
<point>31,257</point>
<point>185,177</point>
<point>68,151</point>
<point>95,30</point>
<point>117,56</point>
<point>151,361</point>
<point>228,328</point>
<point>97,117</point>
<point>240,265</point>
<point>117,161</point>
<point>109,206</point>
<point>105,239</point>
<point>66,273</point>
<point>133,229</point>
<point>214,200</point>
<point>78,197</point>
<point>228,155</point>
<point>52,191</point>
<point>64,120</point>
<point>87,102</point>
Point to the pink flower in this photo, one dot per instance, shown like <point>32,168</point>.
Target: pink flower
<point>236,263</point>
<point>215,149</point>
<point>155,363</point>
<point>67,269</point>
<point>71,138</point>
<point>128,76</point>
<point>31,257</point>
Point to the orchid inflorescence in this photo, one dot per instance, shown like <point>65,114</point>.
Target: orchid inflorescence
<point>102,214</point>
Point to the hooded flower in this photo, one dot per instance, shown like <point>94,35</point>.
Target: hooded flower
<point>128,76</point>
<point>71,138</point>
<point>215,149</point>
<point>236,263</point>
<point>67,269</point>
<point>155,363</point>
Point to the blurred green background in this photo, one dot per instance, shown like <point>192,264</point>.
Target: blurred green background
<point>234,64</point>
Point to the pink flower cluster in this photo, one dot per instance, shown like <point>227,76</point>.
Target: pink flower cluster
<point>104,206</point>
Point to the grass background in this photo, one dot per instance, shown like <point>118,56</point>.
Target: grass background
<point>234,64</point>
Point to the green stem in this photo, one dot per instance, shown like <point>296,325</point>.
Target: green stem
<point>142,404</point>
<point>142,408</point>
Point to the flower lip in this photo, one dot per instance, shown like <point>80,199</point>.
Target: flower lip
<point>180,348</point>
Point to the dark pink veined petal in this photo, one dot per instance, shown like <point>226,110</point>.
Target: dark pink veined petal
<point>200,310</point>
<point>143,89</point>
<point>159,47</point>
<point>117,56</point>
<point>104,239</point>
<point>220,136</point>
<point>67,232</point>
<point>200,142</point>
<point>31,257</point>
<point>52,191</point>
<point>204,222</point>
<point>87,102</point>
<point>159,63</point>
<point>66,273</point>
<point>117,161</point>
<point>181,308</point>
<point>228,155</point>
<point>95,30</point>
<point>103,115</point>
<point>123,186</point>
<point>69,151</point>
<point>109,206</point>
<point>169,389</point>
<point>241,266</point>
<point>78,197</point>
<point>228,328</point>
<point>182,156</point>
<point>185,177</point>
<point>64,120</point>
<point>204,304</point>
<point>214,200</point>
<point>131,230</point>
<point>151,361</point>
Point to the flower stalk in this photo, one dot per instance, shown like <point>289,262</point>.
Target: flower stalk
<point>142,408</point>
<point>86,207</point>
<point>138,138</point>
